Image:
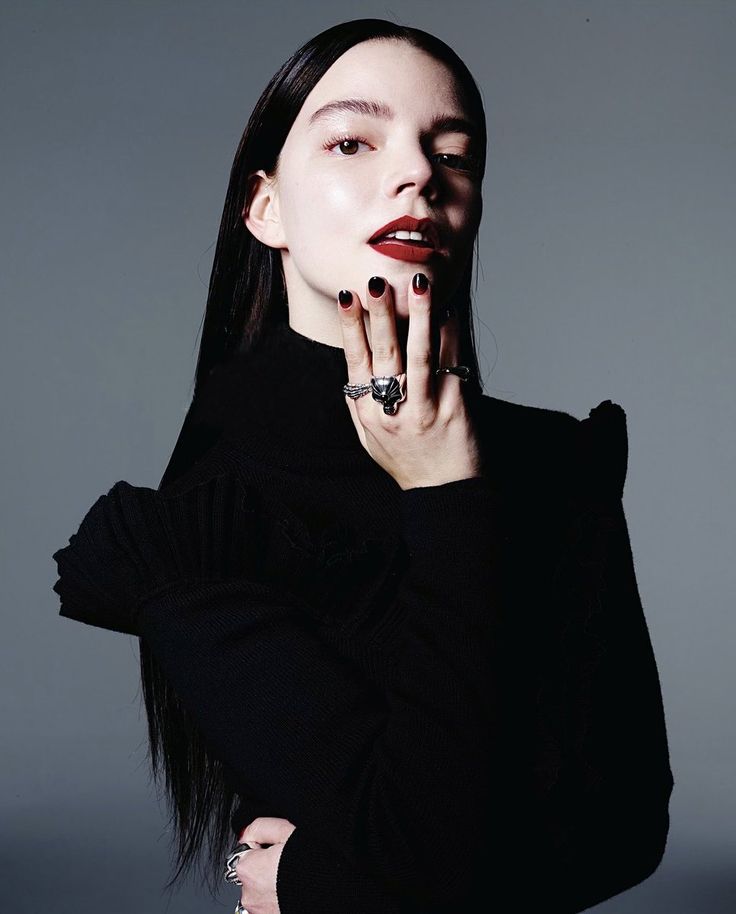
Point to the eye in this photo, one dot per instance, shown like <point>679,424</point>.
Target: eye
<point>464,163</point>
<point>467,163</point>
<point>343,141</point>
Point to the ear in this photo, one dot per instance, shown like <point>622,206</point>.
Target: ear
<point>261,211</point>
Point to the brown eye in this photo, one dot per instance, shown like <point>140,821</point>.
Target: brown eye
<point>345,144</point>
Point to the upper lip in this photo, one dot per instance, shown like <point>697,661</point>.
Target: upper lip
<point>410,224</point>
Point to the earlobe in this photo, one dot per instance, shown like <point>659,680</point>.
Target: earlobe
<point>260,213</point>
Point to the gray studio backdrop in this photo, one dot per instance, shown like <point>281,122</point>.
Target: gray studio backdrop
<point>607,252</point>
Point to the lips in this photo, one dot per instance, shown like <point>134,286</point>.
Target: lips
<point>409,224</point>
<point>416,251</point>
<point>405,250</point>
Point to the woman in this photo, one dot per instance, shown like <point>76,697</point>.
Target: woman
<point>390,632</point>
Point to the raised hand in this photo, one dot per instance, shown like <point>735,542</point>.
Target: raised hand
<point>430,440</point>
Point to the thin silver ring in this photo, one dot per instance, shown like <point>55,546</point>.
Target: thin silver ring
<point>462,371</point>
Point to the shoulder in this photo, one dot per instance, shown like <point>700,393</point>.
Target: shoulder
<point>134,540</point>
<point>536,447</point>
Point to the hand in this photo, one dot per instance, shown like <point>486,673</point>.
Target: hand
<point>257,868</point>
<point>430,440</point>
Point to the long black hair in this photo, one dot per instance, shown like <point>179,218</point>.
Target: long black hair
<point>246,294</point>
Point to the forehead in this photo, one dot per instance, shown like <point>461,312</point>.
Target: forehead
<point>394,74</point>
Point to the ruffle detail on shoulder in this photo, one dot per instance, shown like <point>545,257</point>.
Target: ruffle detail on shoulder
<point>603,450</point>
<point>135,540</point>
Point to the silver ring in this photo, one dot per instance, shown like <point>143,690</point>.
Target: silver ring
<point>356,390</point>
<point>235,854</point>
<point>239,909</point>
<point>462,371</point>
<point>390,390</point>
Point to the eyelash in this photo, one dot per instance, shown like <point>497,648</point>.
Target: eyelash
<point>469,160</point>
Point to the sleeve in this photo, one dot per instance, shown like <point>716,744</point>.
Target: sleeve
<point>599,796</point>
<point>378,779</point>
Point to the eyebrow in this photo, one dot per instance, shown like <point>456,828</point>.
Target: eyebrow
<point>442,123</point>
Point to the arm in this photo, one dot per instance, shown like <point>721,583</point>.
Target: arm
<point>595,820</point>
<point>385,777</point>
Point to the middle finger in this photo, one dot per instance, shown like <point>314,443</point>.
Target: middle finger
<point>387,358</point>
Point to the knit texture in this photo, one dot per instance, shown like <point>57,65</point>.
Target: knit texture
<point>449,690</point>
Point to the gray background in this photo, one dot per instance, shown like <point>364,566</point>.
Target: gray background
<point>608,250</point>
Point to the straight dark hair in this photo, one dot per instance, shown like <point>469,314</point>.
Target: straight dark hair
<point>246,295</point>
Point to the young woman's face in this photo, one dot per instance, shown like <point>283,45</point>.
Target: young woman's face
<point>345,174</point>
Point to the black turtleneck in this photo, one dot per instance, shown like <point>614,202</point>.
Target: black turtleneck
<point>449,690</point>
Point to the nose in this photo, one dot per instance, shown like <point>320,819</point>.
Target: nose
<point>409,167</point>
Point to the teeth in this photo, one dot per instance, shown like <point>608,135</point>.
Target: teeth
<point>406,236</point>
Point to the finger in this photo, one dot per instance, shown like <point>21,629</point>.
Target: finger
<point>267,830</point>
<point>420,384</point>
<point>449,341</point>
<point>449,333</point>
<point>355,341</point>
<point>387,358</point>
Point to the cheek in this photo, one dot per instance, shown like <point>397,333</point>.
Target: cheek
<point>333,199</point>
<point>324,211</point>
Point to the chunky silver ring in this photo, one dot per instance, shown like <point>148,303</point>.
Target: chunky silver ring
<point>235,854</point>
<point>462,371</point>
<point>239,909</point>
<point>390,391</point>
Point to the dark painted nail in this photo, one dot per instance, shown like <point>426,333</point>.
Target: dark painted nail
<point>345,297</point>
<point>376,286</point>
<point>420,283</point>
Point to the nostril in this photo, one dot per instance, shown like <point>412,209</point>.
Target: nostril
<point>376,286</point>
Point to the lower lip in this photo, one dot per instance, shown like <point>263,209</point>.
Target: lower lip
<point>400,250</point>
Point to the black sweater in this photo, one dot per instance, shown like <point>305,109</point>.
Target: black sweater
<point>449,690</point>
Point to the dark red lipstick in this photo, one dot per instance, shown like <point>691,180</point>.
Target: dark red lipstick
<point>407,249</point>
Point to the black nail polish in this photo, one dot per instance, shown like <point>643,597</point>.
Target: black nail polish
<point>420,283</point>
<point>345,297</point>
<point>376,286</point>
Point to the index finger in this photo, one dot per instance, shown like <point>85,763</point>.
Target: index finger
<point>355,342</point>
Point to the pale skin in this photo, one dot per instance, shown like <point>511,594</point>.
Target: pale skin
<point>319,210</point>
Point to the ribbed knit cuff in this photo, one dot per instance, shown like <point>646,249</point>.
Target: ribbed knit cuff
<point>454,525</point>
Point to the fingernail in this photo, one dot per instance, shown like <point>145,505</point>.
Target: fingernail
<point>376,285</point>
<point>345,297</point>
<point>420,283</point>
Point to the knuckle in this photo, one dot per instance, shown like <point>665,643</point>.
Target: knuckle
<point>425,420</point>
<point>385,352</point>
<point>353,359</point>
<point>419,358</point>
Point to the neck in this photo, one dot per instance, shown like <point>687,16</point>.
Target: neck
<point>315,327</point>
